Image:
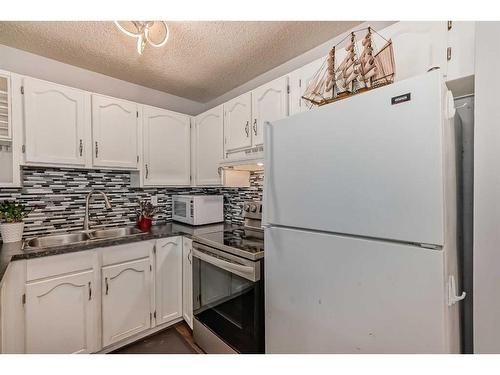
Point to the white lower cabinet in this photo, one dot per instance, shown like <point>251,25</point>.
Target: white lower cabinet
<point>89,301</point>
<point>168,279</point>
<point>187,281</point>
<point>61,314</point>
<point>126,300</point>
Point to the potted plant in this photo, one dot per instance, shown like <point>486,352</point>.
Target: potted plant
<point>145,215</point>
<point>11,219</point>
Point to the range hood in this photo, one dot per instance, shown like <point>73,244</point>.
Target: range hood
<point>251,160</point>
<point>243,164</point>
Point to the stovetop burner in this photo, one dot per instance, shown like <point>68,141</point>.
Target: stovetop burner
<point>238,239</point>
<point>233,240</point>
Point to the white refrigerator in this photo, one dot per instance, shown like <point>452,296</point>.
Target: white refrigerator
<point>360,225</point>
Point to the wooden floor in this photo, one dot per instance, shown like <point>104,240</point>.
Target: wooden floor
<point>173,340</point>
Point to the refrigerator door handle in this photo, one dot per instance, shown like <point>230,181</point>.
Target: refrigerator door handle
<point>452,292</point>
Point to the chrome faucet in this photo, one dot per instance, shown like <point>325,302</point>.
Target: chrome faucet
<point>89,195</point>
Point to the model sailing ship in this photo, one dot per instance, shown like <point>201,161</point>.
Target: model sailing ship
<point>355,73</point>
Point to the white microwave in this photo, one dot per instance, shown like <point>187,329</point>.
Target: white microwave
<point>198,209</point>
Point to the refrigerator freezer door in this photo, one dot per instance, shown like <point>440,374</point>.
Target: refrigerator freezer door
<point>337,294</point>
<point>370,165</point>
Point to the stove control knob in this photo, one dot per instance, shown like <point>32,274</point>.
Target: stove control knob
<point>253,208</point>
<point>246,207</point>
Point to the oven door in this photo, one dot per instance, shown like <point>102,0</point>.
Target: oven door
<point>228,298</point>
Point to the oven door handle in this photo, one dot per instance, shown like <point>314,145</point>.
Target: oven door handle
<point>251,273</point>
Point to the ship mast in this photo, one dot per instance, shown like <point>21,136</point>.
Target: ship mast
<point>346,72</point>
<point>366,63</point>
<point>330,72</point>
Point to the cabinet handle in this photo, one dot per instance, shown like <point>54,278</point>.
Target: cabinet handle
<point>255,126</point>
<point>81,147</point>
<point>107,285</point>
<point>147,171</point>
<point>219,171</point>
<point>90,291</point>
<point>96,149</point>
<point>247,129</point>
<point>190,256</point>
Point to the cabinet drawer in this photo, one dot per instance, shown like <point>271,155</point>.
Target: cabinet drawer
<point>40,268</point>
<point>127,252</point>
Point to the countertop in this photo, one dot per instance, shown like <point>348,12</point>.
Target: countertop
<point>10,252</point>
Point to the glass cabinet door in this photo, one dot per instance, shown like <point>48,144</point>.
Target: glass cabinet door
<point>6,162</point>
<point>4,108</point>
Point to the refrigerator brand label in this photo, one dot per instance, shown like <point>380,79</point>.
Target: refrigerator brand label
<point>401,98</point>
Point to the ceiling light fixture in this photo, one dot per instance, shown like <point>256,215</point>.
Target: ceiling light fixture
<point>142,33</point>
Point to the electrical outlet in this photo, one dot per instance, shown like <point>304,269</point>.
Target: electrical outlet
<point>154,200</point>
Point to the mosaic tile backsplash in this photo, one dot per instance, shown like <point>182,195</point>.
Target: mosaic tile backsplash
<point>59,197</point>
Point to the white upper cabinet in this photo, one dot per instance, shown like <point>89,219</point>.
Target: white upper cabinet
<point>237,123</point>
<point>167,148</point>
<point>56,123</point>
<point>9,160</point>
<point>269,103</point>
<point>209,128</point>
<point>299,80</point>
<point>115,132</point>
<point>418,46</point>
<point>245,115</point>
<point>5,107</point>
<point>126,300</point>
<point>61,314</point>
<point>461,37</point>
<point>168,279</point>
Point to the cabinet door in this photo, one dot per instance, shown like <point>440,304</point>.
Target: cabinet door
<point>418,46</point>
<point>209,127</point>
<point>461,40</point>
<point>269,103</point>
<point>167,148</point>
<point>126,300</point>
<point>5,108</point>
<point>115,132</point>
<point>56,123</point>
<point>7,163</point>
<point>299,80</point>
<point>237,123</point>
<point>168,279</point>
<point>187,281</point>
<point>61,315</point>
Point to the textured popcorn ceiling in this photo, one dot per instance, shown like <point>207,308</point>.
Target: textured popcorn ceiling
<point>201,60</point>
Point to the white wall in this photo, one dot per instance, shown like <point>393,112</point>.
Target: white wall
<point>487,190</point>
<point>29,64</point>
<point>289,66</point>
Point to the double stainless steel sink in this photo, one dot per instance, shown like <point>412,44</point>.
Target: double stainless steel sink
<point>44,242</point>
